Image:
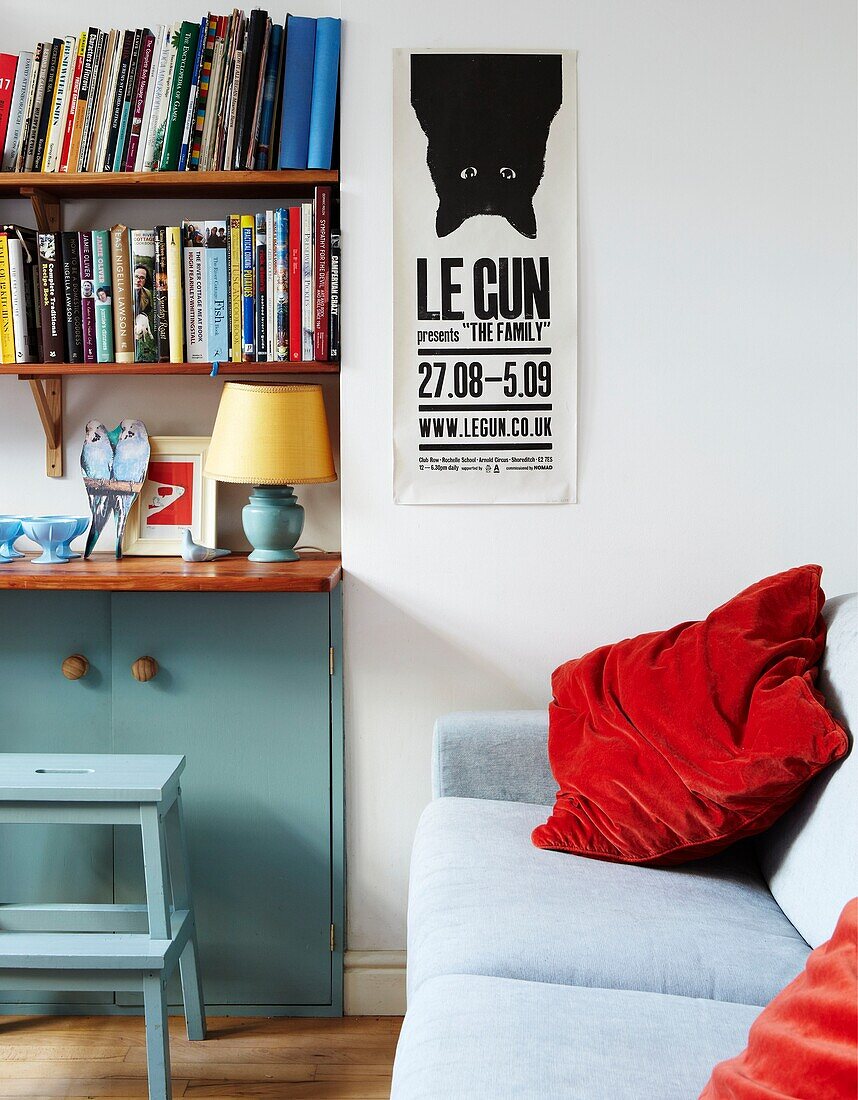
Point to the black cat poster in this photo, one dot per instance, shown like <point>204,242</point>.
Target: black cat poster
<point>485,276</point>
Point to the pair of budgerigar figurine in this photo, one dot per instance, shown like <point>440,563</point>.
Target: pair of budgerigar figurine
<point>114,465</point>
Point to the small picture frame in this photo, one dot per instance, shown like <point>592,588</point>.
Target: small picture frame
<point>175,495</point>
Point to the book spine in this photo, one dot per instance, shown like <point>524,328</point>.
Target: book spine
<point>252,135</point>
<point>269,287</point>
<point>8,65</point>
<point>163,93</point>
<point>307,281</point>
<point>47,105</point>
<point>229,143</point>
<point>158,83</point>
<point>43,55</point>
<point>20,92</point>
<point>71,297</point>
<point>123,298</point>
<point>323,107</point>
<point>269,95</point>
<point>248,264</point>
<point>129,99</point>
<point>7,328</point>
<point>56,129</point>
<point>161,307</point>
<point>281,285</point>
<point>191,113</point>
<point>81,101</point>
<point>30,289</point>
<point>29,110</point>
<point>295,337</point>
<point>217,293</point>
<point>234,36</point>
<point>19,279</point>
<point>74,93</point>
<point>235,287</point>
<point>334,306</point>
<point>106,96</point>
<point>297,91</point>
<point>321,272</point>
<point>92,81</point>
<point>202,94</point>
<point>87,297</point>
<point>114,117</point>
<point>179,96</point>
<point>140,95</point>
<point>195,291</point>
<point>255,60</point>
<point>175,305</point>
<point>135,164</point>
<point>50,304</point>
<point>260,279</point>
<point>102,270</point>
<point>142,273</point>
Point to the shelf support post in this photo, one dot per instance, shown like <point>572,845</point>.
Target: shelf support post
<point>49,405</point>
<point>46,208</point>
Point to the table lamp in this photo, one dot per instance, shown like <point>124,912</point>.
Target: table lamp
<point>271,437</point>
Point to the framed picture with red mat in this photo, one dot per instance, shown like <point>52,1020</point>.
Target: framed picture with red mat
<point>174,496</point>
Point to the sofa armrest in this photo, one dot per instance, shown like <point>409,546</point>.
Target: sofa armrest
<point>493,754</point>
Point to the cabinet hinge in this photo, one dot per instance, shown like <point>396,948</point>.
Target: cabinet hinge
<point>331,667</point>
<point>332,927</point>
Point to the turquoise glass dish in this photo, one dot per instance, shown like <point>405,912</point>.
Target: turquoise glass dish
<point>54,534</point>
<point>10,529</point>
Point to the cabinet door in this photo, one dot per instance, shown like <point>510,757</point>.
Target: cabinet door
<point>243,691</point>
<point>42,711</point>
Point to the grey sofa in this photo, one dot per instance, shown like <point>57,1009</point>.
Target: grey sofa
<point>542,974</point>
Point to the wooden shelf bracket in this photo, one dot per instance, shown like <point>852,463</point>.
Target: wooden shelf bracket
<point>46,208</point>
<point>48,395</point>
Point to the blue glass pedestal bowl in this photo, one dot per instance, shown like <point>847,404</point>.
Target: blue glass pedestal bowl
<point>10,529</point>
<point>54,534</point>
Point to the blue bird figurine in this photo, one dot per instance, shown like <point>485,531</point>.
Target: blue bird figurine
<point>130,462</point>
<point>96,463</point>
<point>114,466</point>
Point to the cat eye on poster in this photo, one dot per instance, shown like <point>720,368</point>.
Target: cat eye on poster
<point>485,257</point>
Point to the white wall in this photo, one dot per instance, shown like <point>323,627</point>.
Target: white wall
<point>717,164</point>
<point>717,156</point>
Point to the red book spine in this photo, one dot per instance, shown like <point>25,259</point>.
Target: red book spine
<point>139,101</point>
<point>87,296</point>
<point>8,65</point>
<point>75,89</point>
<point>295,328</point>
<point>322,273</point>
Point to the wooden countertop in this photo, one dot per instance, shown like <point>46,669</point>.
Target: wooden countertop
<point>313,573</point>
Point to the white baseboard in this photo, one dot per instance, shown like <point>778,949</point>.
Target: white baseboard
<point>374,983</point>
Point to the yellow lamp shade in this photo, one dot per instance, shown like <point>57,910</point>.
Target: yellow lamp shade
<point>271,435</point>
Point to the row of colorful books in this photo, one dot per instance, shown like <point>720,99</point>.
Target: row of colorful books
<point>232,92</point>
<point>259,287</point>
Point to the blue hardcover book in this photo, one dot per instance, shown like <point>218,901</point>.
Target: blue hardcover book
<point>323,107</point>
<point>269,91</point>
<point>217,292</point>
<point>191,116</point>
<point>297,91</point>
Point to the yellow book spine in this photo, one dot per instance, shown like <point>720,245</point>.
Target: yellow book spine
<point>175,298</point>
<point>79,111</point>
<point>235,287</point>
<point>7,333</point>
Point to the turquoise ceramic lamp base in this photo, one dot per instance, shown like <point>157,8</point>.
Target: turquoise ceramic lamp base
<point>273,521</point>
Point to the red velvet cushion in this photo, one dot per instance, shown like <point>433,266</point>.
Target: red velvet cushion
<point>805,1043</point>
<point>671,746</point>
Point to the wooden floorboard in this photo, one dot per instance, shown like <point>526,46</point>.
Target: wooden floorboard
<point>105,1056</point>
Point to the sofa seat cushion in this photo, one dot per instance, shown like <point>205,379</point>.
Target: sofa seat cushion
<point>483,900</point>
<point>477,1038</point>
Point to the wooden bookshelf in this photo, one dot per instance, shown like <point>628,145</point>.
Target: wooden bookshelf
<point>144,370</point>
<point>102,572</point>
<point>203,185</point>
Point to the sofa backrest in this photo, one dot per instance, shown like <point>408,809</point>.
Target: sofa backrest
<point>810,856</point>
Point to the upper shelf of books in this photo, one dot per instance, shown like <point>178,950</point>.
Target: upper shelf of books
<point>245,184</point>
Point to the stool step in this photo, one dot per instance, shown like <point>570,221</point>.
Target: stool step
<point>93,951</point>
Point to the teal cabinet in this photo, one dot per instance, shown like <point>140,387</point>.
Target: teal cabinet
<point>248,688</point>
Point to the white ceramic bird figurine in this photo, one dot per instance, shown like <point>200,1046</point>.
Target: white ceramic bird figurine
<point>129,464</point>
<point>192,551</point>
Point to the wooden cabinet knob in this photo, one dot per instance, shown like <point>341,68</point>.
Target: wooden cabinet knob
<point>144,669</point>
<point>75,667</point>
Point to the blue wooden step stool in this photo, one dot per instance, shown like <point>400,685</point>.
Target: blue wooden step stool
<point>108,947</point>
